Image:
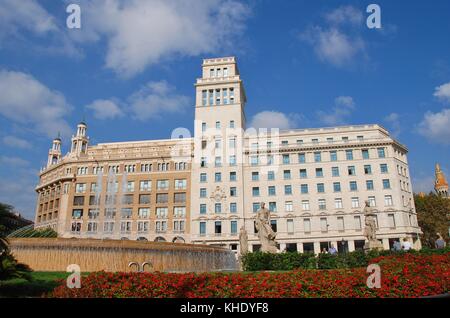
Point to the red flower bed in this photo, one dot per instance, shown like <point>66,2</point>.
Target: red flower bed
<point>401,276</point>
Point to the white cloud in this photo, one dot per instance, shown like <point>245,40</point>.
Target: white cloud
<point>436,126</point>
<point>443,92</point>
<point>342,109</point>
<point>28,15</point>
<point>345,14</point>
<point>155,99</point>
<point>393,119</point>
<point>16,142</point>
<point>105,109</point>
<point>26,101</point>
<point>13,161</point>
<point>142,33</point>
<point>333,46</point>
<point>331,43</point>
<point>273,119</point>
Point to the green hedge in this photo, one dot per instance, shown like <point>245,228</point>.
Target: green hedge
<point>259,261</point>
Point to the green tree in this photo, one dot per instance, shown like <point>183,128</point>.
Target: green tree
<point>433,215</point>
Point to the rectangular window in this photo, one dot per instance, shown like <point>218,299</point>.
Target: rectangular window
<point>305,205</point>
<point>233,207</point>
<point>357,220</point>
<point>218,177</point>
<point>388,200</point>
<point>372,201</point>
<point>143,213</point>
<point>303,188</point>
<point>202,208</point>
<point>320,188</point>
<point>307,225</point>
<point>270,175</point>
<point>322,204</point>
<point>271,191</point>
<point>301,158</point>
<point>383,168</point>
<point>162,212</point>
<point>335,171</point>
<point>162,198</point>
<point>232,160</point>
<point>255,176</point>
<point>256,206</point>
<point>333,155</point>
<point>287,174</point>
<point>218,207</point>
<point>319,172</point>
<point>365,153</point>
<point>233,227</point>
<point>179,197</point>
<point>340,223</point>
<point>323,225</point>
<point>272,206</point>
<point>355,202</point>
<point>381,153</point>
<point>126,213</point>
<point>286,159</point>
<point>80,188</point>
<point>233,192</point>
<point>349,154</point>
<point>336,186</point>
<point>203,177</point>
<point>391,221</point>
<point>353,186</point>
<point>180,184</point>
<point>303,174</point>
<point>317,156</point>
<point>338,203</point>
<point>288,206</point>
<point>162,184</point>
<point>351,170</point>
<point>287,190</point>
<point>367,169</point>
<point>386,184</point>
<point>369,184</point>
<point>233,176</point>
<point>78,200</point>
<point>202,228</point>
<point>202,192</point>
<point>290,226</point>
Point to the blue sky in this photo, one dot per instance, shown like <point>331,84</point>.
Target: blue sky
<point>129,71</point>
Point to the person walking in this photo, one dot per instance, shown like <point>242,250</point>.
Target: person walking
<point>332,250</point>
<point>440,242</point>
<point>406,246</point>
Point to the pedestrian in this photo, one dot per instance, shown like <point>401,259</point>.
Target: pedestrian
<point>332,250</point>
<point>397,246</point>
<point>406,246</point>
<point>440,242</point>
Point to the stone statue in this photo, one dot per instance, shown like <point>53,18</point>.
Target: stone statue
<point>265,233</point>
<point>370,229</point>
<point>243,241</point>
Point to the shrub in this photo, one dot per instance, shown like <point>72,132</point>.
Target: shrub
<point>259,261</point>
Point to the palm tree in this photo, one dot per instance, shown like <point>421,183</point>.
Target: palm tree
<point>9,267</point>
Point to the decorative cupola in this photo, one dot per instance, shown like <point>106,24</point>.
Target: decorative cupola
<point>54,154</point>
<point>80,140</point>
<point>440,184</point>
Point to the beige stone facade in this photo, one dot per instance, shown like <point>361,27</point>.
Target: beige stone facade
<point>314,181</point>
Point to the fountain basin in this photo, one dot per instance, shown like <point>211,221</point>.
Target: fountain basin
<point>55,254</point>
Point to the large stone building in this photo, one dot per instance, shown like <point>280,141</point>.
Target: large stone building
<point>202,189</point>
